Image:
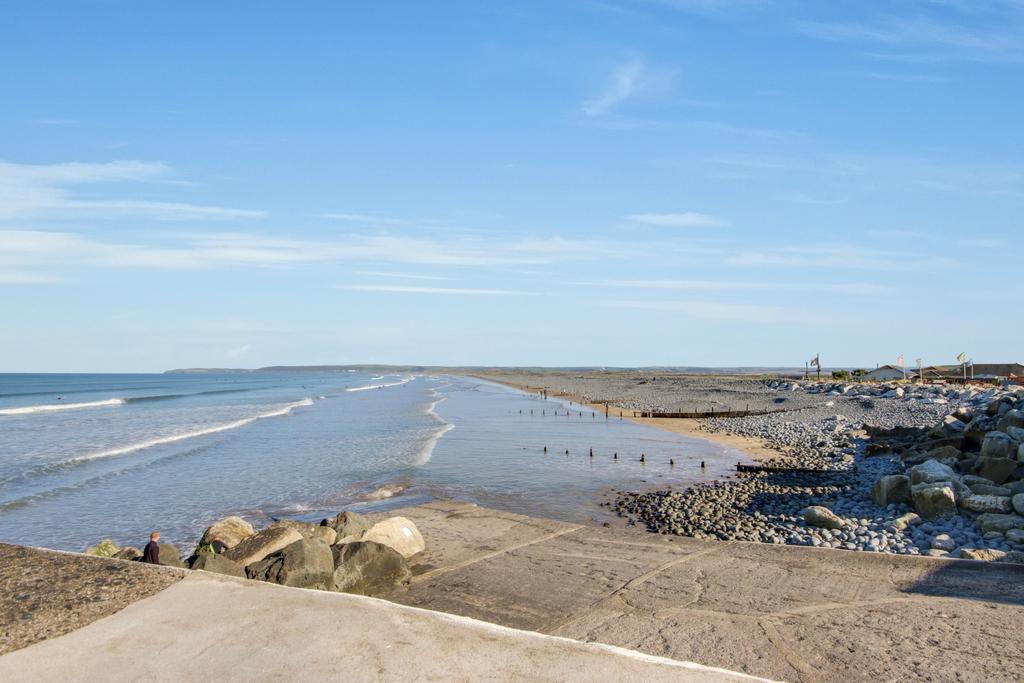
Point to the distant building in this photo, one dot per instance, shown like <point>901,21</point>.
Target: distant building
<point>995,371</point>
<point>884,373</point>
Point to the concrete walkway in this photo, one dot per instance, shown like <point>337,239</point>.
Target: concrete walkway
<point>207,627</point>
<point>782,612</point>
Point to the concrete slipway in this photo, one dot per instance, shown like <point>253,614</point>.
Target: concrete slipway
<point>777,612</point>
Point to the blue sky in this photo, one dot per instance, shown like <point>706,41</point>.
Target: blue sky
<point>621,182</point>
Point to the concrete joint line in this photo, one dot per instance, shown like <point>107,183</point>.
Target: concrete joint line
<point>461,565</point>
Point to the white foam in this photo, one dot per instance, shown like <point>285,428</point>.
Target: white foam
<point>53,407</point>
<point>381,386</point>
<point>124,450</point>
<point>428,448</point>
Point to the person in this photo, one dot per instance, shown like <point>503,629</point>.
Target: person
<point>151,554</point>
<point>215,546</point>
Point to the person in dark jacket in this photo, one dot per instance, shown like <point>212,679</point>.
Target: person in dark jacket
<point>151,553</point>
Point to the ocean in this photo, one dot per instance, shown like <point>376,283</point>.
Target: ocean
<point>86,457</point>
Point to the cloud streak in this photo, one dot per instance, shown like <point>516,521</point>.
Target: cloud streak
<point>457,291</point>
<point>686,219</point>
<point>44,191</point>
<point>623,82</point>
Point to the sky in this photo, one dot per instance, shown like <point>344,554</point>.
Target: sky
<point>560,183</point>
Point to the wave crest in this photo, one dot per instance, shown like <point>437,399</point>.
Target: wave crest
<point>54,407</point>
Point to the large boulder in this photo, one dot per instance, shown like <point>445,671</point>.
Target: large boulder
<point>105,548</point>
<point>1012,418</point>
<point>952,425</point>
<point>128,553</point>
<point>261,544</point>
<point>945,454</point>
<point>218,564</point>
<point>997,470</point>
<point>978,428</point>
<point>306,563</point>
<point>348,524</point>
<point>983,503</point>
<point>1015,536</point>
<point>170,557</point>
<point>398,533</point>
<point>983,554</point>
<point>998,445</point>
<point>933,501</point>
<point>820,516</point>
<point>368,568</point>
<point>992,521</point>
<point>894,488</point>
<point>905,520</point>
<point>931,472</point>
<point>1018,503</point>
<point>231,531</point>
<point>990,490</point>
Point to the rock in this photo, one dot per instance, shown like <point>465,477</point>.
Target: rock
<point>972,479</point>
<point>231,531</point>
<point>218,564</point>
<point>978,428</point>
<point>821,516</point>
<point>127,553</point>
<point>398,533</point>
<point>1017,502</point>
<point>105,548</point>
<point>945,454</point>
<point>990,490</point>
<point>368,568</point>
<point>983,554</point>
<point>894,488</point>
<point>348,524</point>
<point>983,503</point>
<point>934,501</point>
<point>943,542</point>
<point>905,520</point>
<point>261,544</point>
<point>1016,433</point>
<point>935,552</point>
<point>1012,418</point>
<point>930,472</point>
<point>1014,556</point>
<point>998,445</point>
<point>953,425</point>
<point>326,534</point>
<point>993,521</point>
<point>997,470</point>
<point>1015,536</point>
<point>1020,452</point>
<point>305,563</point>
<point>306,529</point>
<point>1015,487</point>
<point>170,557</point>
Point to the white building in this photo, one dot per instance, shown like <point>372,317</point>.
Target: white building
<point>884,373</point>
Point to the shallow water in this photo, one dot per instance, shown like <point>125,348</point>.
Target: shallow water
<point>119,455</point>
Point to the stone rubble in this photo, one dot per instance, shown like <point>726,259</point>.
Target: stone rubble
<point>932,470</point>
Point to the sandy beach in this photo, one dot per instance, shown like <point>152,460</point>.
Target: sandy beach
<point>757,449</point>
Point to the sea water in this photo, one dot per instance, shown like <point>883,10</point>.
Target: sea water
<point>85,457</point>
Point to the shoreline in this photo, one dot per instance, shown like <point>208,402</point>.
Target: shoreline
<point>757,450</point>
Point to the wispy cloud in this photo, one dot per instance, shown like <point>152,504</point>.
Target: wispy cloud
<point>851,288</point>
<point>239,351</point>
<point>623,82</point>
<point>686,219</point>
<point>51,254</point>
<point>842,257</point>
<point>716,310</point>
<point>42,190</point>
<point>401,276</point>
<point>458,291</point>
<point>364,219</point>
<point>922,38</point>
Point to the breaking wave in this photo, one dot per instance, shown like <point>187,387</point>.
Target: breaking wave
<point>381,386</point>
<point>54,407</point>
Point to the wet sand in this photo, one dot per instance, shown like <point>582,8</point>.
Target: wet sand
<point>756,449</point>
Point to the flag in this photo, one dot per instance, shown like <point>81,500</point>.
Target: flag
<point>962,357</point>
<point>899,361</point>
<point>815,363</point>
